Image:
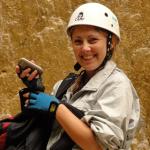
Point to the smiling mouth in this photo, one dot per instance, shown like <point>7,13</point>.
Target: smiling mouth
<point>88,58</point>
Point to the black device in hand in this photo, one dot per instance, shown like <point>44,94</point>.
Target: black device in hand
<point>24,64</point>
<point>36,84</point>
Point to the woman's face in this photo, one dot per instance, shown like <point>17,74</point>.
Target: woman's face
<point>89,46</point>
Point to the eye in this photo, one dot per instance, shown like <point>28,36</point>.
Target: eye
<point>93,40</point>
<point>77,42</point>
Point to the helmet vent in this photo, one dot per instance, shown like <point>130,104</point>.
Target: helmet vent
<point>106,14</point>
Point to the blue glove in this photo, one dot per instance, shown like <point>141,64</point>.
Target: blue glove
<point>42,101</point>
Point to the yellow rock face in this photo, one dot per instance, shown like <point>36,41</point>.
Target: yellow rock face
<point>36,30</point>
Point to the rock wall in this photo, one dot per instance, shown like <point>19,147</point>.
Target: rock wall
<point>36,30</point>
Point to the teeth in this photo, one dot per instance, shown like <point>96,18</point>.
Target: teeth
<point>87,57</point>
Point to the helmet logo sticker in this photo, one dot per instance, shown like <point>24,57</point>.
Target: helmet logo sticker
<point>79,17</point>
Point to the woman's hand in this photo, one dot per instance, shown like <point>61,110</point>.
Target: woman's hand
<point>31,79</point>
<point>26,73</point>
<point>42,101</point>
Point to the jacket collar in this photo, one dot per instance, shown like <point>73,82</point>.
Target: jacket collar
<point>94,83</point>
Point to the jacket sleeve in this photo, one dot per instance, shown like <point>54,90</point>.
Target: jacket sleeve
<point>116,110</point>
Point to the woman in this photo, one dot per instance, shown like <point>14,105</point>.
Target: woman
<point>102,91</point>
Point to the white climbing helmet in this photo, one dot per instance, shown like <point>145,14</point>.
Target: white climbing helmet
<point>95,14</point>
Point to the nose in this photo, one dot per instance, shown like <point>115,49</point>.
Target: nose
<point>86,46</point>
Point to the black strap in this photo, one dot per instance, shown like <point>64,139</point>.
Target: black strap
<point>66,83</point>
<point>65,142</point>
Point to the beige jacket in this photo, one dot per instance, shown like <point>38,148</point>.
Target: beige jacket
<point>111,108</point>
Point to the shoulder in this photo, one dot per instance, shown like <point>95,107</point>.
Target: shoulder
<point>112,75</point>
<point>118,76</point>
<point>118,81</point>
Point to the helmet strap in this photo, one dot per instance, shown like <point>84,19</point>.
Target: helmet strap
<point>109,48</point>
<point>109,51</point>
